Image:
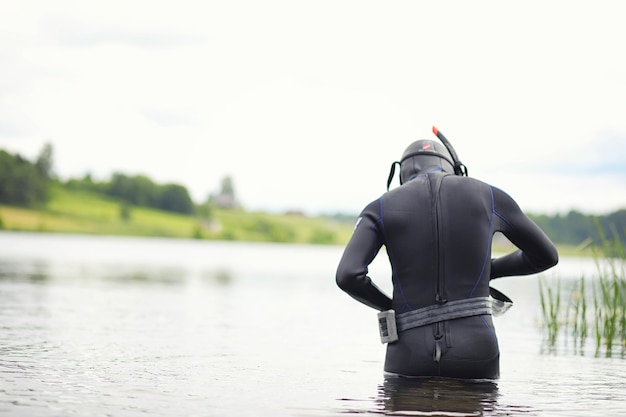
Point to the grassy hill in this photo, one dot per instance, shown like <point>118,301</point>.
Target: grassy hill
<point>90,213</point>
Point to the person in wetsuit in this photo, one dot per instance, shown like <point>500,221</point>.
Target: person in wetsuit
<point>437,228</point>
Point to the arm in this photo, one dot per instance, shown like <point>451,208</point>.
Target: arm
<point>536,252</point>
<point>360,251</point>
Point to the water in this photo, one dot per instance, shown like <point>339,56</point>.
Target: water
<point>104,326</point>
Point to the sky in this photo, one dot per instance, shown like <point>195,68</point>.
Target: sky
<point>305,104</point>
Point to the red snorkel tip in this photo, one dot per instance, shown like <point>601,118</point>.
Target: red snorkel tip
<point>435,131</point>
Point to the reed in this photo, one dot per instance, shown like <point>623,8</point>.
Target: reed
<point>579,327</point>
<point>608,298</point>
<point>550,306</point>
<point>611,294</point>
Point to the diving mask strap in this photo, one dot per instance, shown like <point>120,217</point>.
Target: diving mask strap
<point>392,172</point>
<point>460,169</point>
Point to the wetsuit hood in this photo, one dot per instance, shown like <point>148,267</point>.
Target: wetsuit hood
<point>424,155</point>
<point>421,156</point>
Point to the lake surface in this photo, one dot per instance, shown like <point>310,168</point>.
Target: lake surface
<point>108,326</point>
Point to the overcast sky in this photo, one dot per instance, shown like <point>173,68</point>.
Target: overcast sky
<point>306,104</point>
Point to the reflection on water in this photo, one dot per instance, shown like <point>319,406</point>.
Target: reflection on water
<point>446,397</point>
<point>436,397</point>
<point>133,327</point>
<point>41,271</point>
<point>402,396</point>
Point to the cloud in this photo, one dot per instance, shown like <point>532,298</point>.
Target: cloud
<point>551,193</point>
<point>595,157</point>
<point>171,117</point>
<point>9,129</point>
<point>67,32</point>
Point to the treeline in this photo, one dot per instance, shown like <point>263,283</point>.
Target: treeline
<point>573,228</point>
<point>138,190</point>
<point>576,228</point>
<point>27,184</point>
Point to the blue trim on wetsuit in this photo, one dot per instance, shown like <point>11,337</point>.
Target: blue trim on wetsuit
<point>488,248</point>
<point>382,226</point>
<point>502,218</point>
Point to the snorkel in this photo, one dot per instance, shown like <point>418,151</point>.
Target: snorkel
<point>459,168</point>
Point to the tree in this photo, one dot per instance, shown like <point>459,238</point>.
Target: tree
<point>175,197</point>
<point>142,191</point>
<point>21,182</point>
<point>87,183</point>
<point>44,161</point>
<point>226,198</point>
<point>138,190</point>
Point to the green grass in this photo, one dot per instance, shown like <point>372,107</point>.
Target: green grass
<point>87,213</point>
<point>551,310</point>
<point>72,211</point>
<point>608,299</point>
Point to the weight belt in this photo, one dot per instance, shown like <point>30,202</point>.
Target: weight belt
<point>450,310</point>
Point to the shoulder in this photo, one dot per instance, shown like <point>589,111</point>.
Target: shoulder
<point>501,194</point>
<point>373,207</point>
<point>504,203</point>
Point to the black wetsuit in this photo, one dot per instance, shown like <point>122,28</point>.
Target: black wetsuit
<point>437,230</point>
